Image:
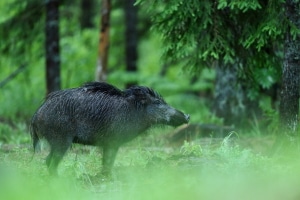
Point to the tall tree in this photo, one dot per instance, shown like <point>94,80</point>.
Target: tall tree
<point>101,69</point>
<point>131,37</point>
<point>229,98</point>
<point>290,94</point>
<point>87,13</point>
<point>247,34</point>
<point>52,46</point>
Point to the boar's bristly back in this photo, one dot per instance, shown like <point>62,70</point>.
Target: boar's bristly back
<point>101,87</point>
<point>142,91</point>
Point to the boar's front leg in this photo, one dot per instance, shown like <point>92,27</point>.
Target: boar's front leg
<point>109,155</point>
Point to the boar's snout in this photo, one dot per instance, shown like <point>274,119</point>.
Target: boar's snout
<point>179,118</point>
<point>187,117</point>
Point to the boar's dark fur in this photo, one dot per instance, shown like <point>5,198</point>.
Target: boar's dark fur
<point>99,114</point>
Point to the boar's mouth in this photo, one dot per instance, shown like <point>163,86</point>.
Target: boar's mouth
<point>179,118</point>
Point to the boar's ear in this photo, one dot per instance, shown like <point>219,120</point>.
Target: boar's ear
<point>136,94</point>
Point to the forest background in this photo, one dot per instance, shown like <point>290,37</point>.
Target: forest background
<point>227,63</point>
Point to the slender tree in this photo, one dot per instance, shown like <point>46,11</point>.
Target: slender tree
<point>290,94</point>
<point>87,13</point>
<point>52,46</point>
<point>101,69</point>
<point>131,37</point>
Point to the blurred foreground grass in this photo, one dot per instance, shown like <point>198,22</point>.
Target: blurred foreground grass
<point>150,168</point>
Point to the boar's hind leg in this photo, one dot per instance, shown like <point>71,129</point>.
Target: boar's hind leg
<point>109,155</point>
<point>55,156</point>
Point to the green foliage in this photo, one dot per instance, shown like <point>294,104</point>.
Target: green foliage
<point>262,78</point>
<point>207,31</point>
<point>13,133</point>
<point>241,5</point>
<point>22,95</point>
<point>266,77</point>
<point>19,28</point>
<point>78,61</point>
<point>201,37</point>
<point>271,115</point>
<point>191,149</point>
<point>249,33</point>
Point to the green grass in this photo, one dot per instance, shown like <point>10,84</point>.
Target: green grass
<point>151,168</point>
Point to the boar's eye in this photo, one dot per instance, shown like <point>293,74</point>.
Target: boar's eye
<point>157,101</point>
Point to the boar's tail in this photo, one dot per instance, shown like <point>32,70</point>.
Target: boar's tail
<point>34,135</point>
<point>35,139</point>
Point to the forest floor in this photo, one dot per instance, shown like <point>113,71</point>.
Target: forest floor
<point>207,168</point>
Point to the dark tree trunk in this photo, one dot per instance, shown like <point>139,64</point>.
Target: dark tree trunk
<point>131,37</point>
<point>101,69</point>
<point>87,13</point>
<point>52,46</point>
<point>289,103</point>
<point>229,97</point>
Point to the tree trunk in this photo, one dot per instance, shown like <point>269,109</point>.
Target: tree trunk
<point>289,103</point>
<point>52,46</point>
<point>87,13</point>
<point>229,96</point>
<point>131,38</point>
<point>101,69</point>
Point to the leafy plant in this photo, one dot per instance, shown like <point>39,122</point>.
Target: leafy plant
<point>14,134</point>
<point>191,149</point>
